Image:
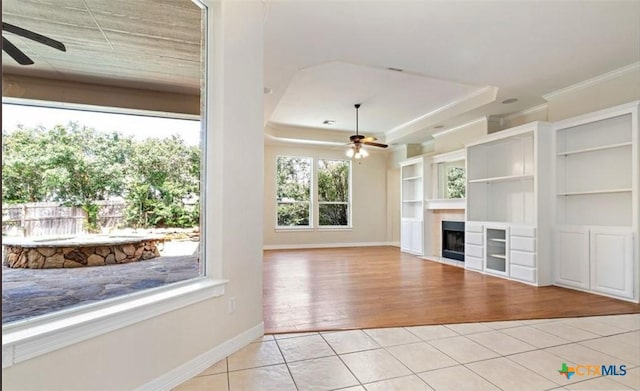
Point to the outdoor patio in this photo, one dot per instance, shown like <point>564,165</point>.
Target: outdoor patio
<point>31,292</point>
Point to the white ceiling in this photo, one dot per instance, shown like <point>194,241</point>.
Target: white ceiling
<point>389,98</point>
<point>524,48</point>
<point>460,58</point>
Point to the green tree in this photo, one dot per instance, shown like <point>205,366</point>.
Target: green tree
<point>23,158</point>
<point>76,165</point>
<point>333,192</point>
<point>455,182</point>
<point>162,184</point>
<point>293,180</point>
<point>84,166</point>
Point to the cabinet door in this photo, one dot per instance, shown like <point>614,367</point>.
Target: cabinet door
<point>571,257</point>
<point>405,236</point>
<point>612,262</point>
<point>416,237</point>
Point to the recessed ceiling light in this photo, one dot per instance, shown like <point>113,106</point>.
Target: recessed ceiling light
<point>395,69</point>
<point>510,100</point>
<point>267,91</point>
<point>328,122</point>
<point>438,127</point>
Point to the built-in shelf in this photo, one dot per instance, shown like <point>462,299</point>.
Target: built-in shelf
<point>412,206</point>
<point>509,178</point>
<point>596,203</point>
<point>607,191</point>
<point>599,148</point>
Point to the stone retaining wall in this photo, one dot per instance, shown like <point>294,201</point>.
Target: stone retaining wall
<point>64,257</point>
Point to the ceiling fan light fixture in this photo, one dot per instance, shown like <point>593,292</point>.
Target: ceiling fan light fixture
<point>357,141</point>
<point>357,152</point>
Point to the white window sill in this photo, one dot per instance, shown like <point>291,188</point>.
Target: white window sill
<point>27,339</point>
<point>308,229</point>
<point>294,229</point>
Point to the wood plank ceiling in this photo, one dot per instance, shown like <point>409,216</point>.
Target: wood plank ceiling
<point>148,44</point>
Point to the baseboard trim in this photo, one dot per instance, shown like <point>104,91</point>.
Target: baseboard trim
<point>186,371</point>
<point>328,245</point>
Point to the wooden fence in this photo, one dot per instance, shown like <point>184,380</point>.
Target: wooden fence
<point>51,219</point>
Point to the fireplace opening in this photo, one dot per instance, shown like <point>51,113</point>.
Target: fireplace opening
<point>453,240</point>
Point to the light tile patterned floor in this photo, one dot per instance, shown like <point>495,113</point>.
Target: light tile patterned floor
<point>517,355</point>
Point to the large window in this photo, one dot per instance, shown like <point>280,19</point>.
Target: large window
<point>297,197</point>
<point>102,204</point>
<point>294,191</point>
<point>333,192</point>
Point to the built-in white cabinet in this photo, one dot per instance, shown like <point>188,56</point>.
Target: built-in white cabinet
<point>496,260</point>
<point>523,254</point>
<point>596,204</point>
<point>571,257</point>
<point>474,246</point>
<point>412,206</point>
<point>509,194</point>
<point>411,233</point>
<point>611,259</point>
<point>598,259</point>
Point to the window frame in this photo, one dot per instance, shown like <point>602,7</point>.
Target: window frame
<point>32,337</point>
<point>348,202</point>
<point>314,200</point>
<point>311,196</point>
<point>442,175</point>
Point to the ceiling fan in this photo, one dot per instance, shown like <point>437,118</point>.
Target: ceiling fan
<point>16,53</point>
<point>358,141</point>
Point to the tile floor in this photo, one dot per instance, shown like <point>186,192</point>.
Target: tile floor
<point>512,355</point>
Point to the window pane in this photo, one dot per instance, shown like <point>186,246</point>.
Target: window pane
<point>334,214</point>
<point>293,215</point>
<point>333,181</point>
<point>99,202</point>
<point>455,182</point>
<point>293,179</point>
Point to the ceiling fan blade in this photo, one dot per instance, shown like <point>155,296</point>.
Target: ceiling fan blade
<point>369,138</point>
<point>375,144</point>
<point>15,53</point>
<point>34,36</point>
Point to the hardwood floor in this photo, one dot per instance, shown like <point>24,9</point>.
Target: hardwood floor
<point>368,287</point>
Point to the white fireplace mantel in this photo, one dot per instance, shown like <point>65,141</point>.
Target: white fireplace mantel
<point>451,203</point>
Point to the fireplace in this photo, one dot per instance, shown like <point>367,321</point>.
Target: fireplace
<point>453,240</point>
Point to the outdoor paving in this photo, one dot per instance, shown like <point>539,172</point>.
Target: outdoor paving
<point>32,292</point>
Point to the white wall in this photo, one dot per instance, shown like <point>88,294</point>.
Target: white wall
<point>369,199</point>
<point>136,355</point>
<point>608,90</point>
<point>456,138</point>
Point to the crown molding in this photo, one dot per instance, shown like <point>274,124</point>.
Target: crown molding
<point>635,67</point>
<point>530,110</point>
<point>475,121</point>
<point>475,94</point>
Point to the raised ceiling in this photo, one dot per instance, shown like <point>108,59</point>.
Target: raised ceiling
<point>460,59</point>
<point>523,49</point>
